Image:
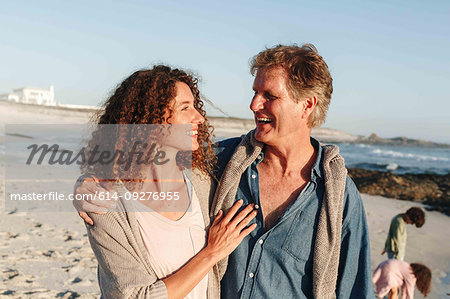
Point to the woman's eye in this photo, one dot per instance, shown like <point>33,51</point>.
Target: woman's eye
<point>185,108</point>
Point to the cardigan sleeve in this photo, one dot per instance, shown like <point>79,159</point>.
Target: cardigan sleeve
<point>121,268</point>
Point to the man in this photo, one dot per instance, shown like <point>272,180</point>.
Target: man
<point>311,239</point>
<point>395,245</point>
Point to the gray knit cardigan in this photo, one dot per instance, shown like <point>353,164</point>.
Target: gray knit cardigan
<point>125,272</point>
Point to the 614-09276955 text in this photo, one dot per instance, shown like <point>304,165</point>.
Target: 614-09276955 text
<point>141,196</point>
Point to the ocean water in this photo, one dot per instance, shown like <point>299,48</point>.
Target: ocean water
<point>397,159</point>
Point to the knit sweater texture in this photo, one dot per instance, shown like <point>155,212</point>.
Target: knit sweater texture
<point>124,270</point>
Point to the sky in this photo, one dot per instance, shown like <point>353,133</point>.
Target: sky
<point>390,60</point>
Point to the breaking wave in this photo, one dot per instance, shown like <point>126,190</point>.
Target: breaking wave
<point>418,157</point>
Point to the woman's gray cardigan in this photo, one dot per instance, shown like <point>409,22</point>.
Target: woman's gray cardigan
<point>124,270</point>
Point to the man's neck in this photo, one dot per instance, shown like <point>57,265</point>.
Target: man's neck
<point>289,158</point>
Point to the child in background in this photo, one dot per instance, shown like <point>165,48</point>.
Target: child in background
<point>395,245</point>
<point>392,274</point>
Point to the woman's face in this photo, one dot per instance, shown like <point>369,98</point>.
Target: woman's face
<point>186,116</point>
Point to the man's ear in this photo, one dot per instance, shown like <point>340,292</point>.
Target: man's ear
<point>308,106</point>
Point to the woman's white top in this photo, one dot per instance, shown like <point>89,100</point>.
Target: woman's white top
<point>171,244</point>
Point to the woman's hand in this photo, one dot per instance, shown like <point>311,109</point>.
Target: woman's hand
<point>85,199</point>
<point>227,232</point>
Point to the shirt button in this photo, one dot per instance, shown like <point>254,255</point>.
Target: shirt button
<point>251,275</point>
<point>253,176</point>
<point>256,207</point>
<point>260,241</point>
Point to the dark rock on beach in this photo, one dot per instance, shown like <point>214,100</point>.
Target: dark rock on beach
<point>430,189</point>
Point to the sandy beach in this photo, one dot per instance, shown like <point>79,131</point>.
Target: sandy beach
<point>47,255</point>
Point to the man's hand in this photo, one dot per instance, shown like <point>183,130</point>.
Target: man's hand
<point>87,201</point>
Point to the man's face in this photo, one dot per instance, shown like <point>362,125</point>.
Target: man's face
<point>277,115</point>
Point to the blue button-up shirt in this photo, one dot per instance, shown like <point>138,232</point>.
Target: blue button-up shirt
<point>277,263</point>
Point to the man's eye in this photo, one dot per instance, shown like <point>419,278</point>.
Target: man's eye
<point>185,108</point>
<point>270,97</point>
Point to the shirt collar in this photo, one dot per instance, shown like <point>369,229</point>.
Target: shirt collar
<point>316,171</point>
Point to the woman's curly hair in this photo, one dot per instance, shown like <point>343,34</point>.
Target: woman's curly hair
<point>144,98</point>
<point>423,277</point>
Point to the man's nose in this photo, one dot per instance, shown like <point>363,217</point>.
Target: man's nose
<point>257,103</point>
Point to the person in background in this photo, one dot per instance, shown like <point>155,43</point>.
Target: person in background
<point>395,245</point>
<point>393,274</point>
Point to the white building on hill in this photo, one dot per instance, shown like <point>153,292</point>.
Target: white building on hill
<point>31,95</point>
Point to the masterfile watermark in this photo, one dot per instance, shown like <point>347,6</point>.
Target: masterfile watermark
<point>148,164</point>
<point>147,154</point>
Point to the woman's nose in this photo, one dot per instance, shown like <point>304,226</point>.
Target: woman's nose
<point>198,118</point>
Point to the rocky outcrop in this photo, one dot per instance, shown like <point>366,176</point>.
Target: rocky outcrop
<point>431,189</point>
<point>399,141</point>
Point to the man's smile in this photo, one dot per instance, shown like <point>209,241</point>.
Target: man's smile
<point>264,120</point>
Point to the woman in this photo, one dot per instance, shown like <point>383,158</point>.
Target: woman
<point>153,249</point>
<point>393,274</point>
